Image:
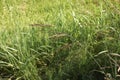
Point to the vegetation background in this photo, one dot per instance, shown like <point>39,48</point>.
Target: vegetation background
<point>59,39</point>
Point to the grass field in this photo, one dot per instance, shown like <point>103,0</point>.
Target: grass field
<point>59,39</point>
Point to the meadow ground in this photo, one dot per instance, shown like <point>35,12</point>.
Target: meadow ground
<point>59,39</point>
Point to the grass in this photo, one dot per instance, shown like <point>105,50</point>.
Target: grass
<point>59,39</point>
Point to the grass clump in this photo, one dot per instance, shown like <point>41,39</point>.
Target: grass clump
<point>59,40</point>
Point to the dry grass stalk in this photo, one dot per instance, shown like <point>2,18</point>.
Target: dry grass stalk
<point>65,47</point>
<point>102,52</point>
<point>115,54</point>
<point>58,35</point>
<point>40,25</point>
<point>106,67</point>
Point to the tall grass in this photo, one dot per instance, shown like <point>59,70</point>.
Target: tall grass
<point>59,39</point>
